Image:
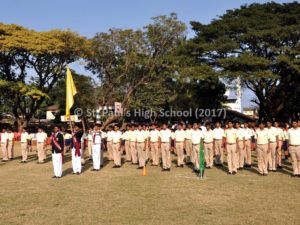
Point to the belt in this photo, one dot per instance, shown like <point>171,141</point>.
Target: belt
<point>40,142</point>
<point>294,145</point>
<point>154,141</point>
<point>188,139</point>
<point>207,142</point>
<point>165,142</point>
<point>218,139</point>
<point>140,142</point>
<point>230,143</point>
<point>116,143</point>
<point>197,144</point>
<point>179,141</point>
<point>272,141</point>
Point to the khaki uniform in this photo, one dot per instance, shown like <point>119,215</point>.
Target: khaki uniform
<point>218,141</point>
<point>208,138</point>
<point>10,145</point>
<point>294,148</point>
<point>141,137</point>
<point>147,151</point>
<point>179,137</point>
<point>109,145</point>
<point>125,137</point>
<point>116,141</point>
<point>240,156</point>
<point>133,150</point>
<point>281,138</point>
<point>249,133</point>
<point>4,142</point>
<point>262,140</point>
<point>165,136</point>
<point>197,135</point>
<point>154,145</point>
<point>24,146</point>
<point>272,135</point>
<point>40,145</point>
<point>231,147</point>
<point>189,146</point>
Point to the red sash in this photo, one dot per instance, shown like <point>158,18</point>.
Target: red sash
<point>77,146</point>
<point>53,136</point>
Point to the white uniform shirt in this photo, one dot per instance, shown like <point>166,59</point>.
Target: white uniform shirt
<point>272,133</point>
<point>280,133</point>
<point>197,135</point>
<point>218,133</point>
<point>90,136</point>
<point>109,135</point>
<point>141,136</point>
<point>147,133</point>
<point>248,133</point>
<point>4,137</point>
<point>240,134</point>
<point>208,136</point>
<point>67,136</point>
<point>41,137</point>
<point>125,135</point>
<point>154,135</point>
<point>165,135</point>
<point>116,136</point>
<point>262,136</point>
<point>133,136</point>
<point>10,136</point>
<point>103,134</point>
<point>231,135</point>
<point>188,134</point>
<point>294,136</point>
<point>96,138</point>
<point>24,137</point>
<point>179,135</point>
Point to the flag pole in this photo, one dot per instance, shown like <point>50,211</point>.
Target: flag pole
<point>201,160</point>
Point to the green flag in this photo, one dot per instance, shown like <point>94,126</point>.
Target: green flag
<point>201,160</point>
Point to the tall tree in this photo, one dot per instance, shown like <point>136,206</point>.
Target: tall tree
<point>31,63</point>
<point>126,60</point>
<point>259,43</point>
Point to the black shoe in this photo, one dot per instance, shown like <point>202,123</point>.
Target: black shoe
<point>233,173</point>
<point>115,166</point>
<point>54,177</point>
<point>58,177</point>
<point>294,175</point>
<point>265,174</point>
<point>229,173</point>
<point>261,174</point>
<point>139,168</point>
<point>279,167</point>
<point>78,173</point>
<point>169,169</point>
<point>181,165</point>
<point>73,173</point>
<point>93,170</point>
<point>177,166</point>
<point>163,170</point>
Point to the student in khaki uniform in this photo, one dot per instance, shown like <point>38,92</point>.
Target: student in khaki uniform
<point>293,136</point>
<point>197,135</point>
<point>208,144</point>
<point>240,157</point>
<point>24,145</point>
<point>133,149</point>
<point>272,134</point>
<point>125,138</point>
<point>4,142</point>
<point>147,134</point>
<point>154,144</point>
<point>141,142</point>
<point>249,134</point>
<point>218,144</point>
<point>40,145</point>
<point>109,144</point>
<point>188,145</point>
<point>116,144</point>
<point>179,137</point>
<point>231,141</point>
<point>281,138</point>
<point>262,148</point>
<point>10,144</point>
<point>165,145</point>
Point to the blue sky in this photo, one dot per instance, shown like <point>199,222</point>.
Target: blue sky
<point>91,16</point>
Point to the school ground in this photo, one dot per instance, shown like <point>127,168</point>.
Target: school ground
<point>28,195</point>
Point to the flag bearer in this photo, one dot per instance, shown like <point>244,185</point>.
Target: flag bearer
<point>197,135</point>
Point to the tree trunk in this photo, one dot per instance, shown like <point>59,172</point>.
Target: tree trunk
<point>21,123</point>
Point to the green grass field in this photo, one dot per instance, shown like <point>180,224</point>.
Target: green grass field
<point>122,196</point>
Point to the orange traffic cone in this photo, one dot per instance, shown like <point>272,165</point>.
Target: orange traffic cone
<point>144,171</point>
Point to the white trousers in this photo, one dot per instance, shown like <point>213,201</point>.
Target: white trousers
<point>76,162</point>
<point>96,156</point>
<point>57,164</point>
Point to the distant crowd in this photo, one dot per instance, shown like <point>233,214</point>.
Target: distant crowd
<point>142,143</point>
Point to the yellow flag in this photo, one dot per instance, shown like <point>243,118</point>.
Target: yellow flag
<point>70,92</point>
